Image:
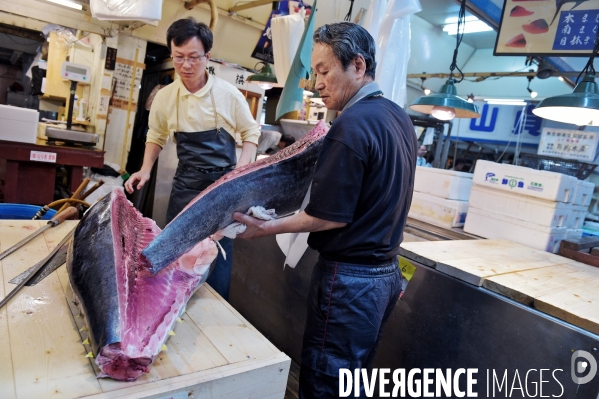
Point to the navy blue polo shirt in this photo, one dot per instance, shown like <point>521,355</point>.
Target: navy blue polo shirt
<point>364,177</point>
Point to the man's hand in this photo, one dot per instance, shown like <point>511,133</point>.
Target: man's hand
<point>141,178</point>
<point>255,227</point>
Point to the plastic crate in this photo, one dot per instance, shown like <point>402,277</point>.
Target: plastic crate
<point>22,211</point>
<point>569,167</point>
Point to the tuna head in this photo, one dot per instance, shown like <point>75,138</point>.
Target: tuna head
<point>129,312</point>
<point>278,182</point>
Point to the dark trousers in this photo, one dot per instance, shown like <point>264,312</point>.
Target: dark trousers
<point>348,305</point>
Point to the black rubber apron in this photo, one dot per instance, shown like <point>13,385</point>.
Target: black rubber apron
<point>203,158</point>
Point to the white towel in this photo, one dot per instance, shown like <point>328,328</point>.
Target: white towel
<point>294,245</point>
<point>258,212</point>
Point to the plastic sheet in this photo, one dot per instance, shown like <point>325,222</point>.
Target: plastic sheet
<point>388,21</point>
<point>149,11</point>
<point>286,35</point>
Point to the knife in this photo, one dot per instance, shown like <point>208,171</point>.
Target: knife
<point>55,221</point>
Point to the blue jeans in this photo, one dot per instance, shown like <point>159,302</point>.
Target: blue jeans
<point>348,305</point>
<point>220,278</point>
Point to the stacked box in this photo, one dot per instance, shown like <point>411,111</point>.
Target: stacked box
<point>583,193</point>
<point>440,196</point>
<point>524,205</point>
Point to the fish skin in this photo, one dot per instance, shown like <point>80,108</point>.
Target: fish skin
<point>278,182</point>
<point>128,311</point>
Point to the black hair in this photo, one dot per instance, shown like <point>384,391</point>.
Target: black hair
<point>185,29</point>
<point>287,139</point>
<point>348,40</point>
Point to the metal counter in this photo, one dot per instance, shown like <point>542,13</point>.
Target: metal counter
<point>440,322</point>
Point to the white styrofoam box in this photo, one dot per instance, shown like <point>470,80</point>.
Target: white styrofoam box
<point>448,184</point>
<point>583,193</point>
<point>573,234</point>
<point>488,224</point>
<point>438,211</point>
<point>577,216</point>
<point>535,210</point>
<point>18,124</point>
<point>148,11</point>
<point>525,181</point>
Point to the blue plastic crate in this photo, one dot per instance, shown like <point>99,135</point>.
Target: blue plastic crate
<point>22,211</point>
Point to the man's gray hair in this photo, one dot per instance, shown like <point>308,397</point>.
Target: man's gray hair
<point>347,40</point>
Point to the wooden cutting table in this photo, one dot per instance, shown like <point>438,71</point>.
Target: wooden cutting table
<point>550,283</point>
<point>215,353</point>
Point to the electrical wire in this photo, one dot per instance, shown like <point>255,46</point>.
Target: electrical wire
<point>351,7</point>
<point>589,68</point>
<point>458,41</point>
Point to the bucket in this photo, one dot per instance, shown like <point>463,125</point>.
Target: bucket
<point>23,211</point>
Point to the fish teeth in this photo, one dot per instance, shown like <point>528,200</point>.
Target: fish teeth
<point>90,355</point>
<point>171,333</point>
<point>86,342</point>
<point>164,348</point>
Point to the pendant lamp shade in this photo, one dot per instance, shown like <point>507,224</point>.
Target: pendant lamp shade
<point>265,78</point>
<point>445,104</point>
<point>579,108</point>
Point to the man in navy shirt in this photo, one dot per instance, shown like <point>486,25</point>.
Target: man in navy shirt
<point>359,201</point>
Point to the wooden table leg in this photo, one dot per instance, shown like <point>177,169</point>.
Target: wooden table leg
<point>75,177</point>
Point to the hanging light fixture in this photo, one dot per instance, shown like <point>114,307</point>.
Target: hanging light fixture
<point>446,105</point>
<point>580,107</point>
<point>424,89</point>
<point>266,79</point>
<point>533,93</point>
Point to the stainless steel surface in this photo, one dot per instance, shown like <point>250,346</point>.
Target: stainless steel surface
<point>57,134</point>
<point>440,322</point>
<point>436,233</point>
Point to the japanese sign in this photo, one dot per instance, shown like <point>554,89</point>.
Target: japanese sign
<point>571,144</point>
<point>551,28</point>
<point>41,156</point>
<point>501,124</point>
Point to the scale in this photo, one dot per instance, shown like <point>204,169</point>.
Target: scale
<point>76,73</point>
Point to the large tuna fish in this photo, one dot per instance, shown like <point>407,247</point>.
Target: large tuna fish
<point>280,182</point>
<point>129,312</point>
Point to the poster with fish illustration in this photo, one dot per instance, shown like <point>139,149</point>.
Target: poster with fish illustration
<point>548,27</point>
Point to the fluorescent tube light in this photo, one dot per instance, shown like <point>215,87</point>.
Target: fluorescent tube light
<point>68,3</point>
<point>500,101</point>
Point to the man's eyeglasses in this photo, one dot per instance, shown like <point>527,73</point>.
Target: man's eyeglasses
<point>192,60</point>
